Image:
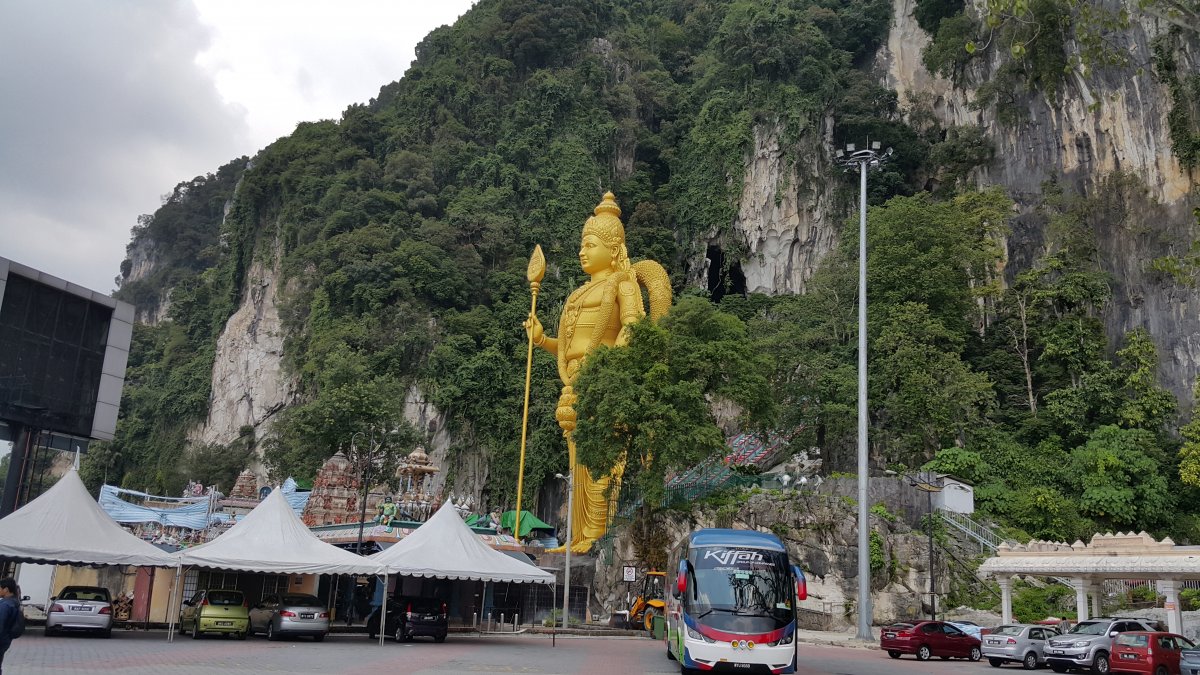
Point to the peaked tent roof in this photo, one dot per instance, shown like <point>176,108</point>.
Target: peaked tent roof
<point>65,525</point>
<point>445,548</point>
<point>272,539</point>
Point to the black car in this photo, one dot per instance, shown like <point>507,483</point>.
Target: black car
<point>412,617</point>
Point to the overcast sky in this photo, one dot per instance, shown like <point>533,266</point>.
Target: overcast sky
<point>108,104</point>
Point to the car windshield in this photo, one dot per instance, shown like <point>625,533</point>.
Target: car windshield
<point>1008,630</point>
<point>1090,628</point>
<point>224,597</point>
<point>740,590</point>
<point>1131,640</point>
<point>301,601</point>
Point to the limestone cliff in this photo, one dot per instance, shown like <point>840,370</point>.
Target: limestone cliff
<point>249,385</point>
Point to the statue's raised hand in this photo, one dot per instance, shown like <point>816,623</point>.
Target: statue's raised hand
<point>533,329</point>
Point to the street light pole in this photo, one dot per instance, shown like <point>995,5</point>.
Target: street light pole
<point>865,159</point>
<point>570,479</point>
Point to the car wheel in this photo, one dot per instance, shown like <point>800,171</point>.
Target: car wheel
<point>1162,670</point>
<point>944,658</point>
<point>271,634</point>
<point>894,654</point>
<point>318,637</point>
<point>50,632</point>
<point>440,639</point>
<point>106,633</point>
<point>1058,669</point>
<point>995,663</point>
<point>975,654</point>
<point>1101,664</point>
<point>399,635</point>
<point>195,631</point>
<point>924,653</point>
<point>1030,662</point>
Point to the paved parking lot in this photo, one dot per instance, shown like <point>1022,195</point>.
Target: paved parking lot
<point>149,653</point>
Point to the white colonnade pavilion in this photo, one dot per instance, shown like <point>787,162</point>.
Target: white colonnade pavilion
<point>1085,567</point>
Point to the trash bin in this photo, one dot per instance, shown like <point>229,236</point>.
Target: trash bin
<point>658,626</point>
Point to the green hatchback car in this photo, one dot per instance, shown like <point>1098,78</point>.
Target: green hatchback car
<point>215,611</point>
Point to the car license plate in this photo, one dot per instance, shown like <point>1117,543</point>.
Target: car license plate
<point>889,635</point>
<point>993,642</point>
<point>1128,656</point>
<point>430,617</point>
<point>306,615</point>
<point>79,608</point>
<point>224,623</point>
<point>1055,651</point>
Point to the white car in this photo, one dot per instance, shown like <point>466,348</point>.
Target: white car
<point>84,608</point>
<point>969,627</point>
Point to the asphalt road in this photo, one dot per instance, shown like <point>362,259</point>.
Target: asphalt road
<point>142,653</point>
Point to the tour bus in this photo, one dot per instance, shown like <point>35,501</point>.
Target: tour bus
<point>732,607</point>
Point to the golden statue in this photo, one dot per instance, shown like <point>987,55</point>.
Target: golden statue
<point>598,313</point>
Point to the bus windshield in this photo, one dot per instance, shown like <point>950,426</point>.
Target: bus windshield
<point>740,590</point>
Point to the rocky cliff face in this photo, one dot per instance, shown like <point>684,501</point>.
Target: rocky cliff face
<point>249,385</point>
<point>786,214</point>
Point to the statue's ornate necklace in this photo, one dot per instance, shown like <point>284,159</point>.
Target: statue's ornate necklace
<point>570,317</point>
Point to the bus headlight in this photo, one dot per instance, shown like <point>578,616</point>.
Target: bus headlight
<point>785,640</point>
<point>697,636</point>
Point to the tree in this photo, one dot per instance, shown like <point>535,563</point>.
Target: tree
<point>1121,484</point>
<point>648,405</point>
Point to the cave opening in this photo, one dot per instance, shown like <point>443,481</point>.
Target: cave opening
<point>724,276</point>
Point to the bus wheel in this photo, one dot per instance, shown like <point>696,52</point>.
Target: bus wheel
<point>670,654</point>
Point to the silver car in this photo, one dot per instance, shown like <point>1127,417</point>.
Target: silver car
<point>84,608</point>
<point>290,614</point>
<point>1017,643</point>
<point>1088,645</point>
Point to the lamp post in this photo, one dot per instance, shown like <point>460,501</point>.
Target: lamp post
<point>928,484</point>
<point>864,160</point>
<point>570,480</point>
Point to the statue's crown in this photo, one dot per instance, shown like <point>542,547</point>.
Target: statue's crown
<point>606,224</point>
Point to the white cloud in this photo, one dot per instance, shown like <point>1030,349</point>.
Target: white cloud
<point>108,104</point>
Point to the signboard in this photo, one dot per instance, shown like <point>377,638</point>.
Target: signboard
<point>629,573</point>
<point>1169,606</point>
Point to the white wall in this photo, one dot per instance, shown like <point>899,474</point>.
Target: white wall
<point>956,496</point>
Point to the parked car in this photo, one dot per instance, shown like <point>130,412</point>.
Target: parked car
<point>1189,661</point>
<point>1157,653</point>
<point>290,614</point>
<point>215,611</point>
<point>969,627</point>
<point>412,617</point>
<point>1017,643</point>
<point>927,639</point>
<point>80,608</point>
<point>1089,644</point>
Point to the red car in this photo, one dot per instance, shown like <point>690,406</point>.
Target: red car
<point>1142,652</point>
<point>927,639</point>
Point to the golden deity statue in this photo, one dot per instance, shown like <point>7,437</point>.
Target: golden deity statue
<point>598,313</point>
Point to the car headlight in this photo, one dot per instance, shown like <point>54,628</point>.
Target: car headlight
<point>1082,643</point>
<point>697,636</point>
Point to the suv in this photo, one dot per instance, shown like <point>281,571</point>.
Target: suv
<point>1089,644</point>
<point>412,617</point>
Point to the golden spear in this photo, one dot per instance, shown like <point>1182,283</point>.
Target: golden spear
<point>534,273</point>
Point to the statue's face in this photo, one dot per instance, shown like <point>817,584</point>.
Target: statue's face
<point>594,255</point>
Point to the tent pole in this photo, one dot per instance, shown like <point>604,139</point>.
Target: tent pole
<point>383,610</point>
<point>170,603</point>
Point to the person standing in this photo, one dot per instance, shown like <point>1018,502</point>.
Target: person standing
<point>9,609</point>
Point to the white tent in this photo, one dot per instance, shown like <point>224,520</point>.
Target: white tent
<point>272,539</point>
<point>65,525</point>
<point>445,548</point>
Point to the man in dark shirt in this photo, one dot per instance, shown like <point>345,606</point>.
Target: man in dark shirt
<point>9,608</point>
